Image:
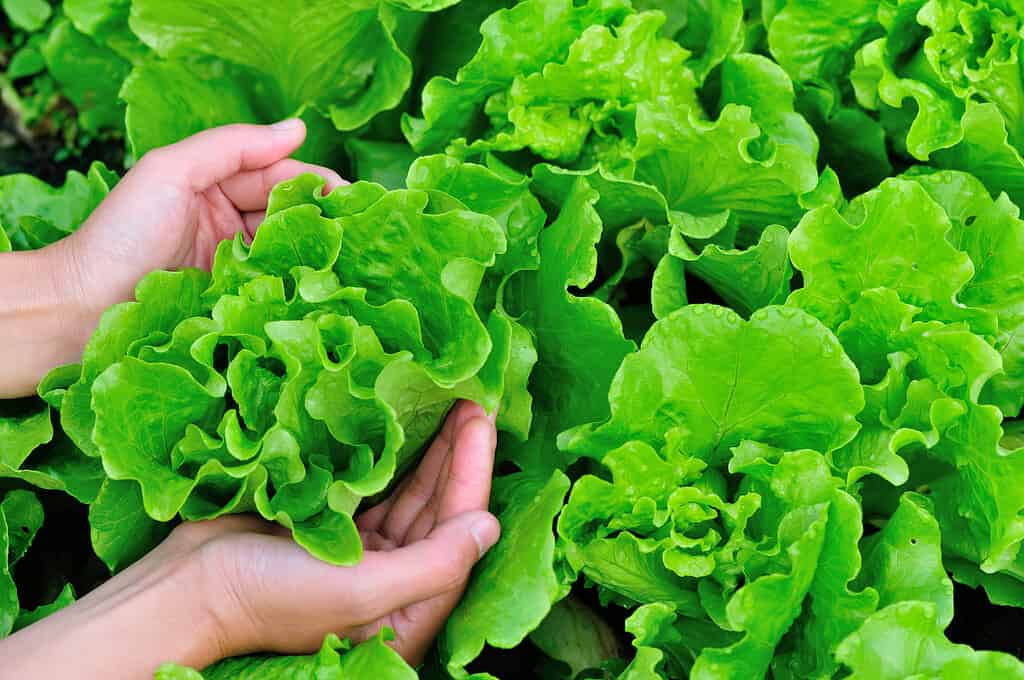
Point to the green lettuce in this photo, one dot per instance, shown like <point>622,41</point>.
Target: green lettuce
<point>300,376</point>
<point>336,660</point>
<point>958,61</point>
<point>336,66</point>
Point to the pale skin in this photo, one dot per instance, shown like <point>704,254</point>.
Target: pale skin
<point>237,584</point>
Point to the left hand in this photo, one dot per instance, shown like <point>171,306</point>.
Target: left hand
<point>178,203</point>
<point>170,211</point>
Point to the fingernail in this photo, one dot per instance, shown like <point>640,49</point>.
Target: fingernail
<point>287,125</point>
<point>485,532</point>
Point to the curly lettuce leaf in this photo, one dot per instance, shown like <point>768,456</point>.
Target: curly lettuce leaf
<point>336,660</point>
<point>452,106</point>
<point>704,168</point>
<point>877,649</point>
<point>992,234</point>
<point>303,375</point>
<point>34,214</point>
<point>947,78</point>
<point>554,111</point>
<point>894,237</point>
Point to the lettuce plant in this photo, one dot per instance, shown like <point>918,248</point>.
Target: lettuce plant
<point>742,279</point>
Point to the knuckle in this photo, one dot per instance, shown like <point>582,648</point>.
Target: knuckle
<point>189,534</point>
<point>454,570</point>
<point>152,160</point>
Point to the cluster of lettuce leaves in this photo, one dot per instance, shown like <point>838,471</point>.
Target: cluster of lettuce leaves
<point>743,280</point>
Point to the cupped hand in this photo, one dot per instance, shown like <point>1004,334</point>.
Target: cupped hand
<point>420,546</point>
<point>238,585</point>
<point>172,209</point>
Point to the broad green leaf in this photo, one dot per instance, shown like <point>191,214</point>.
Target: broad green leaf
<point>29,15</point>
<point>713,31</point>
<point>780,378</point>
<point>343,61</point>
<point>21,516</point>
<point>385,163</point>
<point>903,561</point>
<point>579,340</point>
<point>90,75</point>
<point>704,168</point>
<point>8,590</point>
<point>516,583</point>
<point>120,529</point>
<point>24,426</point>
<point>816,40</point>
<point>876,651</point>
<point>106,22</point>
<point>986,152</point>
<point>575,634</point>
<point>746,279</point>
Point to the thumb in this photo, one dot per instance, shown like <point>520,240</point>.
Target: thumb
<point>425,569</point>
<point>217,154</point>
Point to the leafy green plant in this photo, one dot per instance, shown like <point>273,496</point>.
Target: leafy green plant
<point>741,278</point>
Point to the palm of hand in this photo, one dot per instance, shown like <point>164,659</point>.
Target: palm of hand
<point>420,545</point>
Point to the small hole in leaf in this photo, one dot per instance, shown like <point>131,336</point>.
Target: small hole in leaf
<point>913,541</point>
<point>970,220</point>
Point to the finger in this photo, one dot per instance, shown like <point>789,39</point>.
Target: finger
<point>465,481</point>
<point>214,155</point>
<point>253,220</point>
<point>441,563</point>
<point>468,485</point>
<point>249,189</point>
<point>417,492</point>
<point>372,519</point>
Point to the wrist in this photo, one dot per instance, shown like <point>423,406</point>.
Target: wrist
<point>156,615</point>
<point>71,291</point>
<point>43,323</point>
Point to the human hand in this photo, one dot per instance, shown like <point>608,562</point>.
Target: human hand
<point>170,211</point>
<point>420,545</point>
<point>177,204</point>
<point>239,585</point>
